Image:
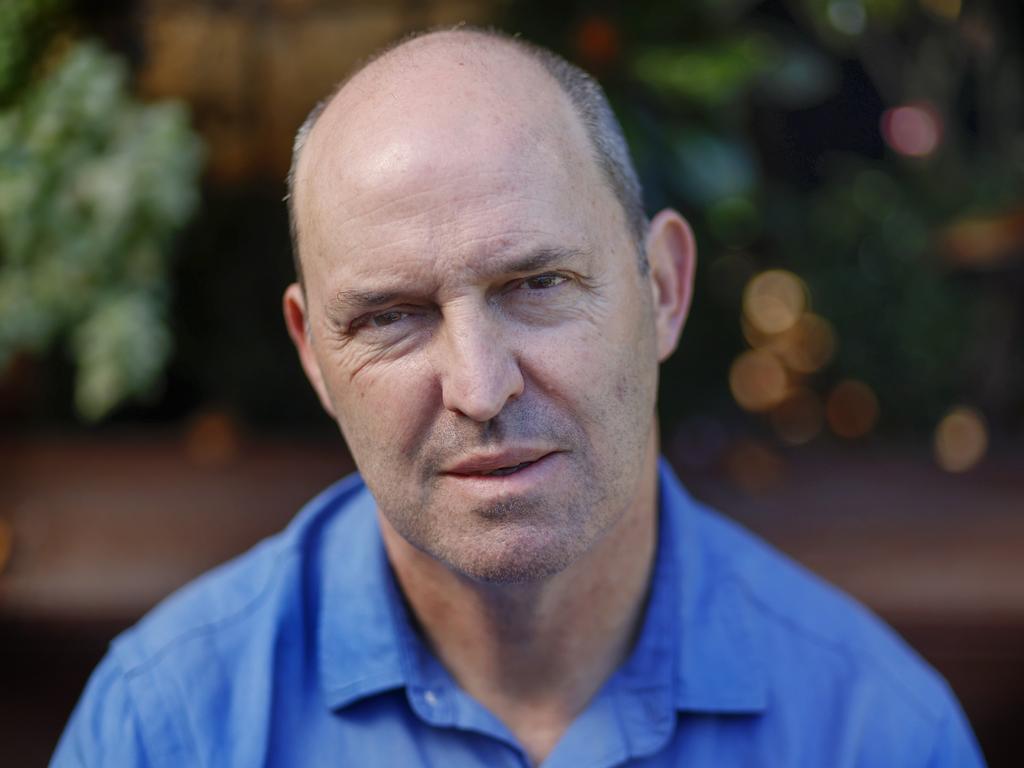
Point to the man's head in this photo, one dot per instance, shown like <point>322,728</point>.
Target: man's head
<point>472,316</point>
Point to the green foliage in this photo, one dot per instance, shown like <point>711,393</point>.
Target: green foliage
<point>710,75</point>
<point>25,28</point>
<point>92,187</point>
<point>707,75</point>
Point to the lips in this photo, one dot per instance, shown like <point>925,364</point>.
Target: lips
<point>497,464</point>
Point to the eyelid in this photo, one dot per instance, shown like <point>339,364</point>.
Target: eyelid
<point>366,319</point>
<point>560,276</point>
<point>522,281</point>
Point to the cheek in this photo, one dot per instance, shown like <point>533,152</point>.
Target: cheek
<point>382,412</point>
<point>606,372</point>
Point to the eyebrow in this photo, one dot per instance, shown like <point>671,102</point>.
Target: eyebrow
<point>347,300</point>
<point>538,259</point>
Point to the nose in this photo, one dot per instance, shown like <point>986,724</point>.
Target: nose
<point>479,372</point>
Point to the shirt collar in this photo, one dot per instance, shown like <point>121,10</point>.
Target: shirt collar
<point>359,652</point>
<point>717,662</point>
<point>697,621</point>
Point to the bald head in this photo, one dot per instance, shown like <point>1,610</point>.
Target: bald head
<point>486,94</point>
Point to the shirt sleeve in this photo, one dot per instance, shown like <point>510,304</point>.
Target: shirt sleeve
<point>104,728</point>
<point>955,745</point>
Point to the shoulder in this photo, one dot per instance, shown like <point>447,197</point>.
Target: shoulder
<point>825,657</point>
<point>205,655</point>
<point>788,600</point>
<point>237,594</point>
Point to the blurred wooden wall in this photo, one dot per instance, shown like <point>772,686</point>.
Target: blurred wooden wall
<point>252,69</point>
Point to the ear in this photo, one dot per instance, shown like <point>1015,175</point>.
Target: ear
<point>296,319</point>
<point>672,256</point>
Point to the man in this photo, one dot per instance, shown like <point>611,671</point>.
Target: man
<point>514,579</point>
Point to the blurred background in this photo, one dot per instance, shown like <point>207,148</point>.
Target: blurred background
<point>850,383</point>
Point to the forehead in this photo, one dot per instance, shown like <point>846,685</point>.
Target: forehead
<point>432,227</point>
<point>450,148</point>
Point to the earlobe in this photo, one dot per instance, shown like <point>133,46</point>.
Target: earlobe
<point>296,320</point>
<point>672,256</point>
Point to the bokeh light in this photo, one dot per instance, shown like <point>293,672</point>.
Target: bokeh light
<point>914,130</point>
<point>809,345</point>
<point>788,342</point>
<point>961,439</point>
<point>774,300</point>
<point>757,380</point>
<point>799,418</point>
<point>597,42</point>
<point>847,16</point>
<point>984,241</point>
<point>851,409</point>
<point>755,338</point>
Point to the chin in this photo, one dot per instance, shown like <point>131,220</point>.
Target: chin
<point>516,540</point>
<point>514,556</point>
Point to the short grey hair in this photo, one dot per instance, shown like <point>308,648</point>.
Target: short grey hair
<point>588,100</point>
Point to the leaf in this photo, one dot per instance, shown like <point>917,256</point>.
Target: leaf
<point>707,75</point>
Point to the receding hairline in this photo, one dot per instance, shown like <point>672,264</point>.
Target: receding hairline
<point>618,170</point>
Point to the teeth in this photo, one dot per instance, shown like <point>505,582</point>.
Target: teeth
<point>508,470</point>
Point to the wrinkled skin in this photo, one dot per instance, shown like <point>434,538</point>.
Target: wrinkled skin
<point>471,287</point>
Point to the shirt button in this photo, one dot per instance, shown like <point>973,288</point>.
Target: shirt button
<point>431,698</point>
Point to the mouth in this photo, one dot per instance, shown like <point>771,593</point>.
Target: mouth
<point>498,465</point>
<point>494,478</point>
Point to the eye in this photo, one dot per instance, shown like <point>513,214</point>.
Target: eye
<point>388,317</point>
<point>540,282</point>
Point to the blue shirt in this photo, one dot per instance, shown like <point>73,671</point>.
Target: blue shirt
<point>301,653</point>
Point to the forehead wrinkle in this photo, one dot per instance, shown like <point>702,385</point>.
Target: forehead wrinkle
<point>368,200</point>
<point>433,237</point>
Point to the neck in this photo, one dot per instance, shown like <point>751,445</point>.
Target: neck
<point>535,654</point>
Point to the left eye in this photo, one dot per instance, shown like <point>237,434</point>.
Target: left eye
<point>540,282</point>
<point>387,318</point>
